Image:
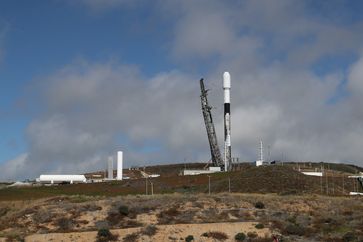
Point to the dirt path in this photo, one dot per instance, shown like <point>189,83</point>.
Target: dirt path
<point>176,232</point>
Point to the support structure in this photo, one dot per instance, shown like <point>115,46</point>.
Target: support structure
<point>110,168</point>
<point>260,161</point>
<point>212,138</point>
<point>261,151</point>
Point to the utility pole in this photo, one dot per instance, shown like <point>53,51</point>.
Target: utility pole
<point>209,185</point>
<point>229,184</point>
<point>327,182</point>
<point>343,184</point>
<point>321,179</point>
<point>145,185</point>
<point>152,189</point>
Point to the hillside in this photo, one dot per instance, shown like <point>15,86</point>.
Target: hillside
<point>175,217</point>
<point>264,179</point>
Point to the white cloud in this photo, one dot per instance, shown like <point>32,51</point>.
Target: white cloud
<point>15,168</point>
<point>93,109</point>
<point>355,78</point>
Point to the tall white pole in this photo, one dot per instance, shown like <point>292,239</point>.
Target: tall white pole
<point>110,167</point>
<point>227,120</point>
<point>261,151</point>
<point>119,165</point>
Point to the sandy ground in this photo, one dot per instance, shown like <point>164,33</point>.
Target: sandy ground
<point>176,232</point>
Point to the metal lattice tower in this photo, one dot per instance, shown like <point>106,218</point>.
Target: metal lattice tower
<point>212,137</point>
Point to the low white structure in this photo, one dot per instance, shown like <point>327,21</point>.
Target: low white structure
<point>154,175</point>
<point>356,194</point>
<point>312,173</point>
<point>119,165</point>
<point>52,179</point>
<point>199,172</point>
<point>360,181</point>
<point>20,184</point>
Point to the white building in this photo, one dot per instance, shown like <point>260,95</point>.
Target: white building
<point>199,172</point>
<point>56,179</point>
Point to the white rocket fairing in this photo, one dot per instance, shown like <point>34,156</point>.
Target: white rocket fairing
<point>227,120</point>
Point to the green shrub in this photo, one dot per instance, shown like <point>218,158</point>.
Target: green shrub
<point>240,237</point>
<point>65,224</point>
<point>293,229</point>
<point>123,210</point>
<point>259,205</point>
<point>189,238</point>
<point>215,235</point>
<point>104,235</point>
<point>259,226</point>
<point>349,236</point>
<point>130,237</point>
<point>149,230</point>
<point>4,211</point>
<point>103,232</point>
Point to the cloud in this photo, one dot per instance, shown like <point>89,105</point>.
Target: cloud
<point>260,31</point>
<point>356,78</point>
<point>15,167</point>
<point>91,109</point>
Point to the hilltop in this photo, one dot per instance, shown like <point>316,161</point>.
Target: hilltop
<point>281,179</point>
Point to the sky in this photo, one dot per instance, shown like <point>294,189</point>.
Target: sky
<point>81,79</point>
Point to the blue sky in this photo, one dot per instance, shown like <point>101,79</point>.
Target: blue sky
<point>41,36</point>
<point>275,50</point>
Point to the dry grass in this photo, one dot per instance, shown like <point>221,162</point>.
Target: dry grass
<point>314,217</point>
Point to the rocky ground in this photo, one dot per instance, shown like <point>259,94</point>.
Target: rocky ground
<point>176,217</point>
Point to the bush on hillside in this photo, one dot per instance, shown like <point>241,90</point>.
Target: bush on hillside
<point>240,237</point>
<point>189,238</point>
<point>104,235</point>
<point>259,226</point>
<point>259,205</point>
<point>123,210</point>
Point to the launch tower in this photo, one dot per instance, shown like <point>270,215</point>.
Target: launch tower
<point>206,109</point>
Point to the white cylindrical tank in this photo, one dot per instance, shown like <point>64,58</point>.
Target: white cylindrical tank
<point>62,178</point>
<point>119,165</point>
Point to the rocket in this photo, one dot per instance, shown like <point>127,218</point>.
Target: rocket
<point>227,120</point>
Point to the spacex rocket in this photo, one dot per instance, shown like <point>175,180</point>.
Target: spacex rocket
<point>227,121</point>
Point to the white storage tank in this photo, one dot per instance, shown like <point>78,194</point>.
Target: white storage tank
<point>52,179</point>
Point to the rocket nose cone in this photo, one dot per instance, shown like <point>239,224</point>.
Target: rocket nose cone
<point>226,80</point>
